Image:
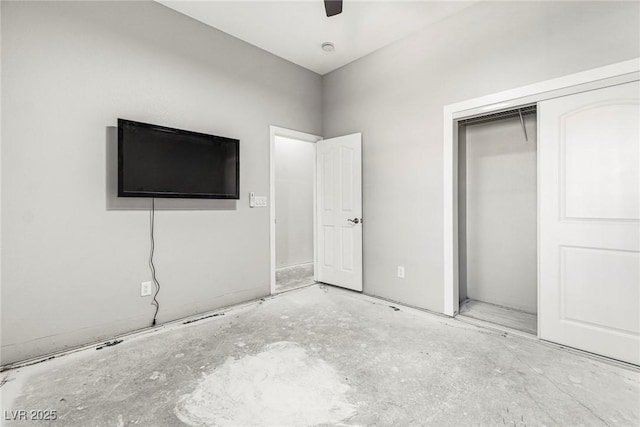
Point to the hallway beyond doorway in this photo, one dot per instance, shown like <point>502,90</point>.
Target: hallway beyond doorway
<point>293,277</point>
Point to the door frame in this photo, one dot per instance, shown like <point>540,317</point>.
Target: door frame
<point>621,72</point>
<point>275,131</point>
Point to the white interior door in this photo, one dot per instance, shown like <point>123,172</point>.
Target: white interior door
<point>589,182</point>
<point>339,166</point>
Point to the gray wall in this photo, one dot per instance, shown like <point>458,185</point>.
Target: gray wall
<point>498,216</point>
<point>294,169</point>
<point>73,255</point>
<point>395,97</point>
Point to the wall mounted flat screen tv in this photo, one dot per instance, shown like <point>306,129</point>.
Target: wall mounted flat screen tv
<point>157,161</point>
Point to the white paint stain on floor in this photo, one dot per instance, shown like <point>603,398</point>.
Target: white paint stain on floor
<point>282,385</point>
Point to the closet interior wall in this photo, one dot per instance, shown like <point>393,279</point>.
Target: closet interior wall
<point>498,211</point>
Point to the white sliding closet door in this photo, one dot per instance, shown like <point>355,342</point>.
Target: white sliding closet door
<point>589,182</point>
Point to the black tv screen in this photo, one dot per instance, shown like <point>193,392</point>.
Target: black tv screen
<point>157,161</point>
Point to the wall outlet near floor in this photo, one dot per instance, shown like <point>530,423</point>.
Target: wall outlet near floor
<point>401,272</point>
<point>145,289</point>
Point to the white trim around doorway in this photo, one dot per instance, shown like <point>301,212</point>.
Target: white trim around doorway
<point>301,136</point>
<point>609,75</point>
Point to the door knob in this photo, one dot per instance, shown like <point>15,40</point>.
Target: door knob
<point>354,220</point>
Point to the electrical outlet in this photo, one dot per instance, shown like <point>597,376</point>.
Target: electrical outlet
<point>145,289</point>
<point>401,272</point>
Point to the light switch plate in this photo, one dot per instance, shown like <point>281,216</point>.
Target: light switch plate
<point>257,201</point>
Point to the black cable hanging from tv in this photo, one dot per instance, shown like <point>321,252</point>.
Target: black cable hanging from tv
<point>151,266</point>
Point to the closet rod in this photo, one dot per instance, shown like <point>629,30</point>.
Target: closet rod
<point>530,109</point>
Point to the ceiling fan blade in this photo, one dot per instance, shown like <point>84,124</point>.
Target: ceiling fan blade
<point>333,7</point>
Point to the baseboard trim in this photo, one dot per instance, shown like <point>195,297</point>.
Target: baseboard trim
<point>167,326</point>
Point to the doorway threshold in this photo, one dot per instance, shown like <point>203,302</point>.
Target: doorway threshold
<point>507,318</point>
<point>294,277</point>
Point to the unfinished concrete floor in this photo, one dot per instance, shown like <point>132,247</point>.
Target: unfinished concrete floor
<point>324,356</point>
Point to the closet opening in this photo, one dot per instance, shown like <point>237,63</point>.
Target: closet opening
<point>497,218</point>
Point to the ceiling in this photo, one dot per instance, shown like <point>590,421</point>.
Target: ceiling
<point>295,30</point>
